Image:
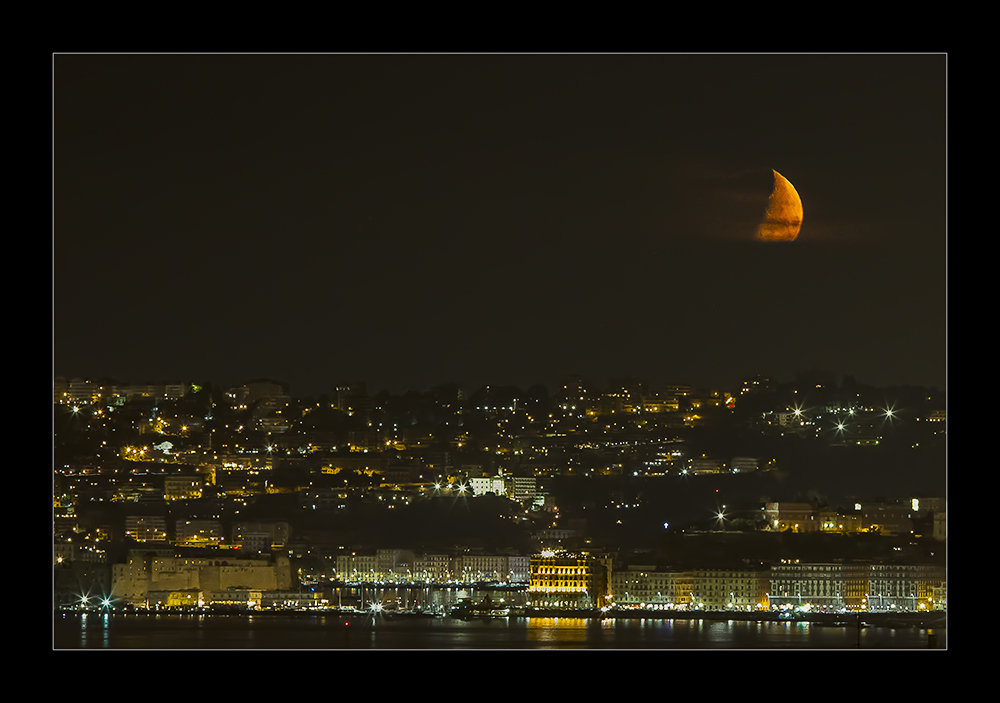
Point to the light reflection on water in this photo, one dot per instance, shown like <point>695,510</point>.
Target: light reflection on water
<point>557,630</point>
<point>173,631</point>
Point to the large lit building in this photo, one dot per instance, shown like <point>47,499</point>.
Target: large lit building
<point>432,568</point>
<point>477,568</point>
<point>854,586</point>
<point>903,587</point>
<point>569,581</point>
<point>830,586</point>
<point>729,589</point>
<point>646,587</point>
<point>159,571</point>
<point>357,568</point>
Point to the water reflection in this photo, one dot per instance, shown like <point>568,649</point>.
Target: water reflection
<point>557,630</point>
<point>308,631</point>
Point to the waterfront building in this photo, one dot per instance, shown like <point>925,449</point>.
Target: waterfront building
<point>478,568</point>
<point>394,565</point>
<point>569,581</point>
<point>357,568</point>
<point>147,571</point>
<point>432,568</point>
<point>903,587</point>
<point>939,596</point>
<point>174,599</point>
<point>518,569</point>
<point>235,598</point>
<point>729,589</point>
<point>292,600</point>
<point>854,586</point>
<point>645,586</point>
<point>833,586</point>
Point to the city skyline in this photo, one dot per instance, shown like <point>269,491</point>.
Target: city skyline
<point>411,220</point>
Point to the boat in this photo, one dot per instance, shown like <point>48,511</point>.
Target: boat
<point>487,608</point>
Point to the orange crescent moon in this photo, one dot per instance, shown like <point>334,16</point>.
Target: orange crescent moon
<point>783,219</point>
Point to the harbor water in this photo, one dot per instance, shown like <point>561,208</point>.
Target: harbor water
<point>79,630</point>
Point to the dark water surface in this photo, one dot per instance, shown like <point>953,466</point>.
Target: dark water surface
<point>329,631</point>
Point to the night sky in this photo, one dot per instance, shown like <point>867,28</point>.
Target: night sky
<point>409,220</point>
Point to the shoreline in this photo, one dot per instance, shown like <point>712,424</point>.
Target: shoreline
<point>937,619</point>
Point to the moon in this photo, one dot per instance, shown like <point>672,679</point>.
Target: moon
<point>783,219</point>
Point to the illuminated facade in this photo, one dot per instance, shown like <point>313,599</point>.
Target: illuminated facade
<point>644,586</point>
<point>147,572</point>
<point>569,581</point>
<point>146,528</point>
<point>478,568</point>
<point>902,587</point>
<point>831,586</point>
<point>729,589</point>
<point>357,568</point>
<point>432,568</point>
<point>855,586</point>
<point>939,595</point>
<point>182,487</point>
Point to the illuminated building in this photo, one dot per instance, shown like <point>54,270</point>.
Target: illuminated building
<point>191,598</point>
<point>704,465</point>
<point>432,568</point>
<point>64,552</point>
<point>182,487</point>
<point>729,589</point>
<point>236,598</point>
<point>357,568</point>
<point>292,600</point>
<point>198,533</point>
<point>484,485</point>
<point>939,596</point>
<point>645,586</point>
<point>146,528</point>
<point>903,587</point>
<point>275,535</point>
<point>855,586</point>
<point>394,565</point>
<point>797,517</point>
<point>831,586</point>
<point>569,581</point>
<point>158,571</point>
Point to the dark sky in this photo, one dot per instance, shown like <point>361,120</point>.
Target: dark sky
<point>415,219</point>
